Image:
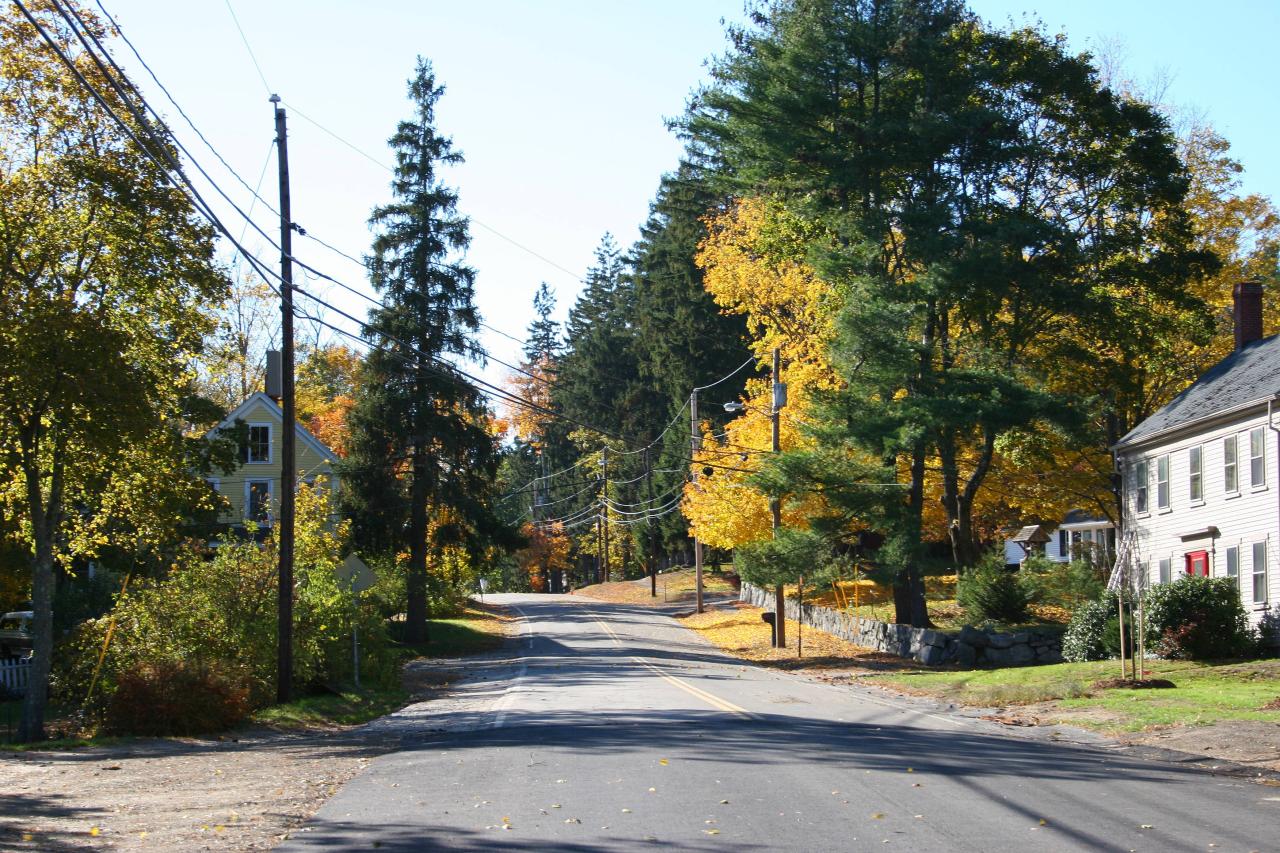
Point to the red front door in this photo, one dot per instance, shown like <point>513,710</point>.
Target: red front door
<point>1198,563</point>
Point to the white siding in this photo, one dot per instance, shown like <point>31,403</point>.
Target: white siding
<point>1248,515</point>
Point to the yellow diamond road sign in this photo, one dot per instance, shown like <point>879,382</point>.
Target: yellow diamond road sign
<point>356,574</point>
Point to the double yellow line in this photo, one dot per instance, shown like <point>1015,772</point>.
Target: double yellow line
<point>710,698</point>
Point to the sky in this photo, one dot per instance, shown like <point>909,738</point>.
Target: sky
<point>559,107</point>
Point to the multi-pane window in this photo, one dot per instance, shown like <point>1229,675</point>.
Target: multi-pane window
<point>1259,572</point>
<point>1162,482</point>
<point>1140,481</point>
<point>1233,564</point>
<point>1166,570</point>
<point>1257,471</point>
<point>258,447</point>
<point>258,503</point>
<point>1195,474</point>
<point>1230,479</point>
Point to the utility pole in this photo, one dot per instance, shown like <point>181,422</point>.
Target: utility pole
<point>775,503</point>
<point>288,462</point>
<point>604,507</point>
<point>695,442</point>
<point>653,528</point>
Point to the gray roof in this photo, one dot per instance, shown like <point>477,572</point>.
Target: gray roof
<point>1249,375</point>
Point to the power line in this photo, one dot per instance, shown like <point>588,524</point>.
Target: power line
<point>451,372</point>
<point>245,39</point>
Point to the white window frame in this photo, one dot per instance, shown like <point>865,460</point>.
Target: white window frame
<point>1141,487</point>
<point>1231,465</point>
<point>1259,586</point>
<point>1166,570</point>
<point>1164,496</point>
<point>1195,474</point>
<point>248,506</point>
<point>248,451</point>
<point>1232,567</point>
<point>1258,461</point>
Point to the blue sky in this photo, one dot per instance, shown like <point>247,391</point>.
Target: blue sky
<point>559,107</point>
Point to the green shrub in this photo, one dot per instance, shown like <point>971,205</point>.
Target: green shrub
<point>1065,585</point>
<point>1198,618</point>
<point>1085,636</point>
<point>218,611</point>
<point>990,592</point>
<point>175,698</point>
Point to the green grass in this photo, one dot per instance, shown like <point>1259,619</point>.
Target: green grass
<point>345,709</point>
<point>471,632</point>
<point>1204,693</point>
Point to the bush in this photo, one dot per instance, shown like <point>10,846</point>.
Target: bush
<point>990,592</point>
<point>1085,638</point>
<point>1198,618</point>
<point>1065,585</point>
<point>175,698</point>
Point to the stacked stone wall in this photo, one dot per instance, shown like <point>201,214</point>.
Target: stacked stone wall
<point>967,647</point>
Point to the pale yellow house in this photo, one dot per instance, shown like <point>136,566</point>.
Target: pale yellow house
<point>253,489</point>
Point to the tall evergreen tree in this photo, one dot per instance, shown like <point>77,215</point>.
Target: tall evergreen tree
<point>543,341</point>
<point>419,440</point>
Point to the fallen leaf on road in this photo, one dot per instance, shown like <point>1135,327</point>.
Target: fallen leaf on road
<point>94,831</point>
<point>724,802</point>
<point>877,815</point>
<point>918,817</point>
<point>561,781</point>
<point>1044,822</point>
<point>711,831</point>
<point>555,805</point>
<point>626,811</point>
<point>653,790</point>
<point>572,820</point>
<point>911,770</point>
<point>915,784</point>
<point>1146,826</point>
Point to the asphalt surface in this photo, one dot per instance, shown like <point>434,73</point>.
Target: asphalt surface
<point>613,728</point>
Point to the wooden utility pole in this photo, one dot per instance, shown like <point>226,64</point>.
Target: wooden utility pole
<point>288,461</point>
<point>653,528</point>
<point>775,505</point>
<point>604,507</point>
<point>695,442</point>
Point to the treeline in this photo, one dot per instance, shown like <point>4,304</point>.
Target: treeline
<point>982,260</point>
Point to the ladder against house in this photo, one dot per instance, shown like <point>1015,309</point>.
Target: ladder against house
<point>1125,571</point>
<point>14,676</point>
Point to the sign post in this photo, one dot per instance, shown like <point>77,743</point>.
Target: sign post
<point>358,577</point>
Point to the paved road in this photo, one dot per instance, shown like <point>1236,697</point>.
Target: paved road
<point>613,728</point>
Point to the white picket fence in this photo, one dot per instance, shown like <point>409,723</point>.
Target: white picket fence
<point>14,675</point>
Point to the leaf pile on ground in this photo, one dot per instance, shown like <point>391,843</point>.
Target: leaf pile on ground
<point>673,587</point>
<point>738,629</point>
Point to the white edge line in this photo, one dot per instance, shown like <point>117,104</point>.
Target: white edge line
<point>504,702</point>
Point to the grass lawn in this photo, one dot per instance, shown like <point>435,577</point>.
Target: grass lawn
<point>343,709</point>
<point>1204,693</point>
<point>476,629</point>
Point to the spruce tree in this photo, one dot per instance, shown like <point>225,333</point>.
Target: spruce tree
<point>419,444</point>
<point>543,342</point>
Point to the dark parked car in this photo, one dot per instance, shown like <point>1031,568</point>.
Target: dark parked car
<point>15,633</point>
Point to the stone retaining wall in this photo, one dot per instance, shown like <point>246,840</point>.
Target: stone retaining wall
<point>968,647</point>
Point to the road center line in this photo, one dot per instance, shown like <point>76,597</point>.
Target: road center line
<point>710,698</point>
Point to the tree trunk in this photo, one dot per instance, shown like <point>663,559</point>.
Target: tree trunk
<point>45,516</point>
<point>416,580</point>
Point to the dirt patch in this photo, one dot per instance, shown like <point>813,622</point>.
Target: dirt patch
<point>1138,684</point>
<point>242,792</point>
<point>1273,705</point>
<point>1253,743</point>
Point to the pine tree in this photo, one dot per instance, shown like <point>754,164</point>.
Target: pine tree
<point>419,442</point>
<point>543,342</point>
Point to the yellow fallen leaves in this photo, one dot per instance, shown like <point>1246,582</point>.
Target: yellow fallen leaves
<point>663,762</point>
<point>94,831</point>
<point>711,831</point>
<point>739,631</point>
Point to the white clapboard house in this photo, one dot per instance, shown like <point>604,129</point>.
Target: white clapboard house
<point>1202,475</point>
<point>1080,535</point>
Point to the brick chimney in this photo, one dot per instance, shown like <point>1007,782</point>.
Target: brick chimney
<point>1248,312</point>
